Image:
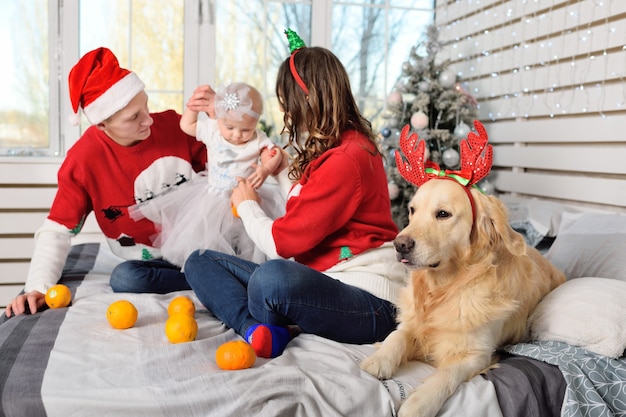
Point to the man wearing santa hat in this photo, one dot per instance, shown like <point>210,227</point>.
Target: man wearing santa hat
<point>127,155</point>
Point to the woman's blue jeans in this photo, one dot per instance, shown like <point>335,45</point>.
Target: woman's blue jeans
<point>282,292</point>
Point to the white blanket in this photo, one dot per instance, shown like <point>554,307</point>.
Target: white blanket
<point>95,370</point>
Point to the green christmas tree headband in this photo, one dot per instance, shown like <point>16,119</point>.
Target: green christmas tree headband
<point>295,44</point>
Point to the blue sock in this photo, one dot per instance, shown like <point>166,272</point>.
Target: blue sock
<point>268,341</point>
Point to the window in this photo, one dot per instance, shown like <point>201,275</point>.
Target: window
<point>373,39</point>
<point>146,36</point>
<point>25,78</point>
<point>175,45</point>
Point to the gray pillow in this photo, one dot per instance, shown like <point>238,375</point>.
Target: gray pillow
<point>590,245</point>
<point>533,218</point>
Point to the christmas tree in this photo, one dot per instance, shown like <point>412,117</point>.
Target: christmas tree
<point>438,108</point>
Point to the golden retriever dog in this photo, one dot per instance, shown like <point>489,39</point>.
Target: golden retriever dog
<point>473,283</point>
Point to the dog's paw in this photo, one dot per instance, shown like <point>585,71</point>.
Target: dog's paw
<point>417,406</point>
<point>379,366</point>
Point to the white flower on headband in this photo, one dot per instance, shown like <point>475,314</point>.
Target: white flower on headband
<point>233,101</point>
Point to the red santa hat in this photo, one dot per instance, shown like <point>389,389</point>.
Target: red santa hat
<point>100,87</point>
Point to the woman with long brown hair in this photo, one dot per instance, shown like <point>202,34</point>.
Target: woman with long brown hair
<point>332,268</point>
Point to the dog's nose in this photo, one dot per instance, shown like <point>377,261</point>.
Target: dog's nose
<point>403,244</point>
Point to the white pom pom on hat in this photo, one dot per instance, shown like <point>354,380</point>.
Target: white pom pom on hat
<point>100,87</point>
<point>74,119</point>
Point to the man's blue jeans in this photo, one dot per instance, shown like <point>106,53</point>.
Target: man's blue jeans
<point>282,292</point>
<point>154,276</point>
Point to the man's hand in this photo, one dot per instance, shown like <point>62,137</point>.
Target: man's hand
<point>202,100</point>
<point>29,302</point>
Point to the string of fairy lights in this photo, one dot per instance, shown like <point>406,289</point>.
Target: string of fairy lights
<point>559,58</point>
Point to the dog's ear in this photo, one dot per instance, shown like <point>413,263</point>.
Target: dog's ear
<point>492,230</point>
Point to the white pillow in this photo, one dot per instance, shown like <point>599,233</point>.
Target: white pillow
<point>590,245</point>
<point>585,312</point>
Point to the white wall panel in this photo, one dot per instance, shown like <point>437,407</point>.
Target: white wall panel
<point>26,194</point>
<point>549,77</point>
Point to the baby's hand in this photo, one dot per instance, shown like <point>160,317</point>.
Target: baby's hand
<point>257,178</point>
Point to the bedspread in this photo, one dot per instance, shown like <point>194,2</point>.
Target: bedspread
<point>70,362</point>
<point>596,384</point>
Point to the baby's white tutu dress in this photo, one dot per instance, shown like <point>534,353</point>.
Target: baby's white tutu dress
<point>198,215</point>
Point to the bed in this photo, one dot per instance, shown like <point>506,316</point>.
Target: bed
<point>71,362</point>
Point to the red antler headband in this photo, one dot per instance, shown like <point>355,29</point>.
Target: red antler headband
<point>295,44</point>
<point>476,160</point>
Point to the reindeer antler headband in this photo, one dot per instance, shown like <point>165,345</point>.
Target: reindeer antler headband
<point>295,44</point>
<point>476,160</point>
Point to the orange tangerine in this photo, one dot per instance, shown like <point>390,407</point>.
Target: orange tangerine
<point>181,304</point>
<point>234,355</point>
<point>58,296</point>
<point>234,210</point>
<point>180,328</point>
<point>122,314</point>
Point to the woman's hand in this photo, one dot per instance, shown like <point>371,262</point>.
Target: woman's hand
<point>30,302</point>
<point>242,192</point>
<point>284,161</point>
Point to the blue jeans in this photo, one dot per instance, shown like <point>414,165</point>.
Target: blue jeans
<point>282,292</point>
<point>154,276</point>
